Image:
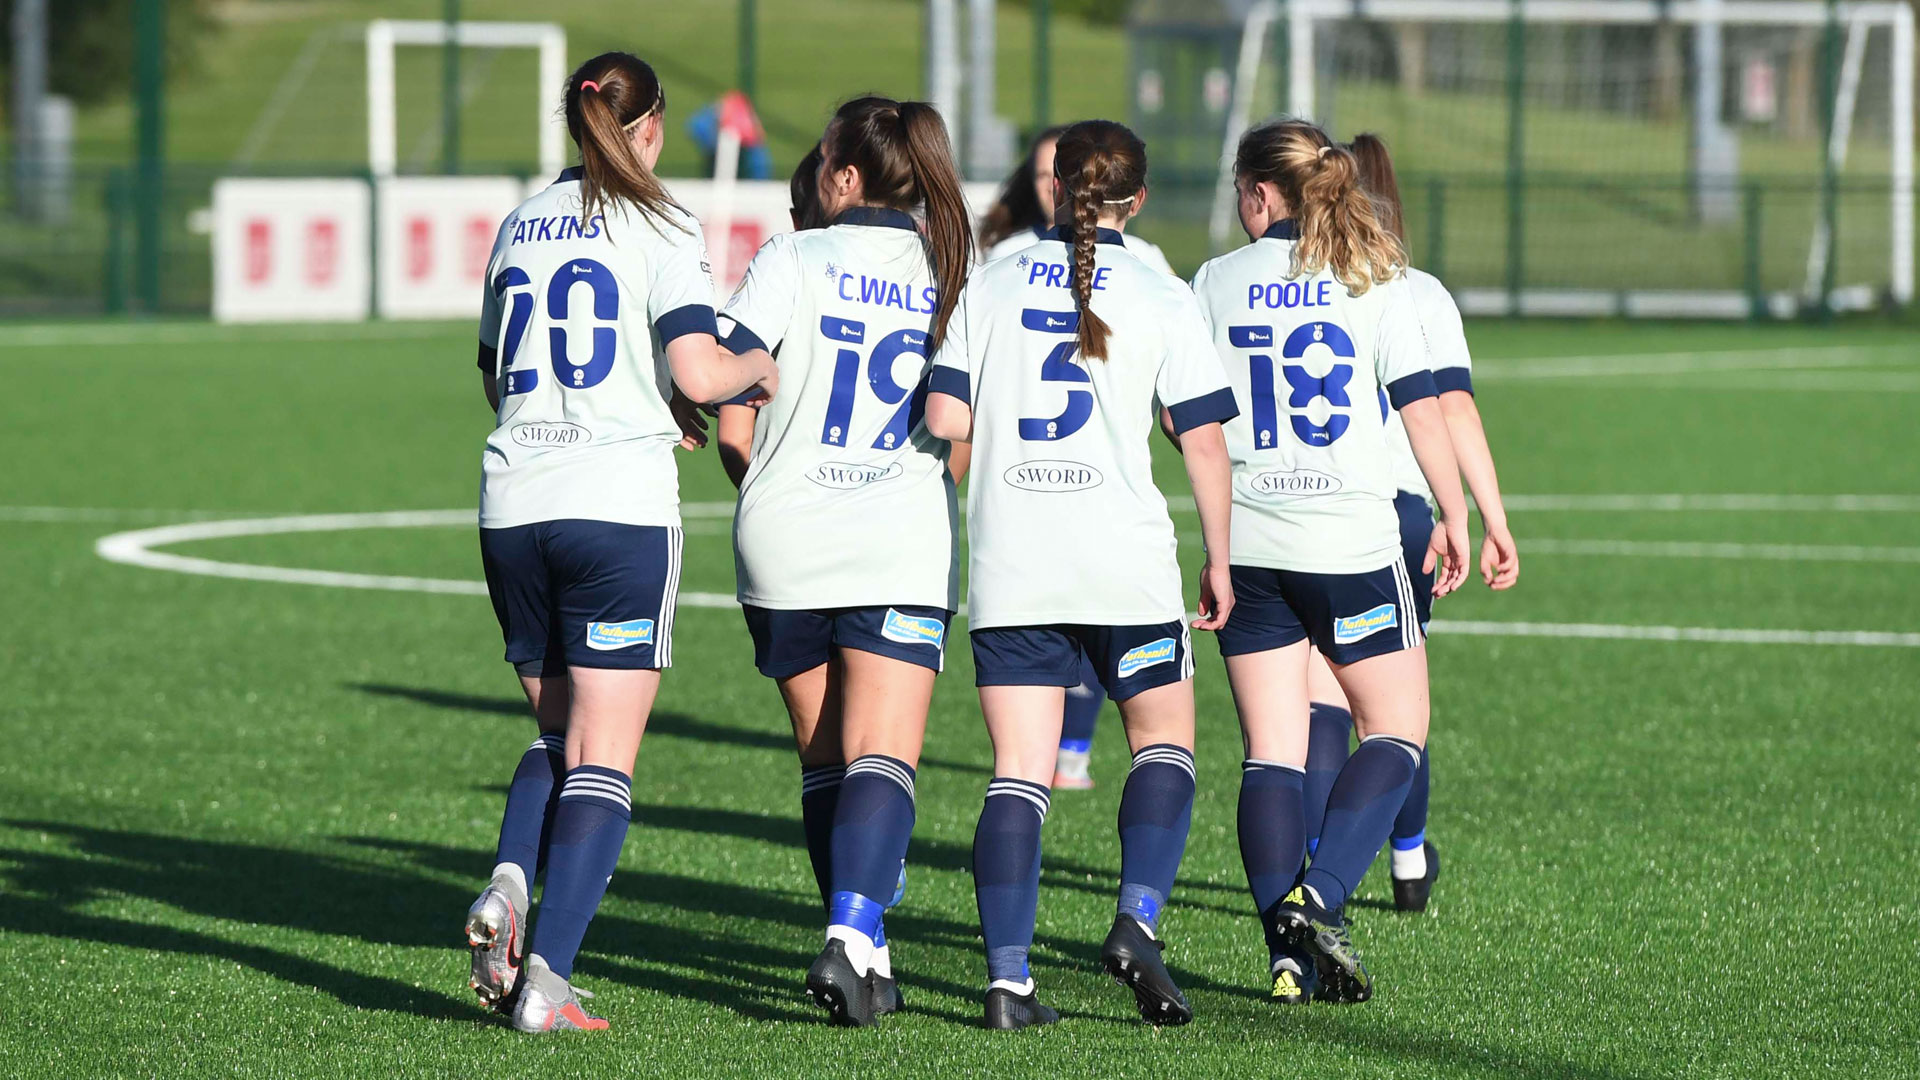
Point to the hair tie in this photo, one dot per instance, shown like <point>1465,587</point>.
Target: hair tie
<point>588,84</point>
<point>1324,150</point>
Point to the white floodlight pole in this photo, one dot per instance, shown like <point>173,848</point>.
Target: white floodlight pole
<point>382,140</point>
<point>1299,60</point>
<point>1253,44</point>
<point>552,120</point>
<point>943,62</point>
<point>1902,132</point>
<point>980,86</point>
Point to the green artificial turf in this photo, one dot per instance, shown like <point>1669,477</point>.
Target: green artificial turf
<point>240,821</point>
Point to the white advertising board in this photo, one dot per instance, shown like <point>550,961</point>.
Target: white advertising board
<point>435,234</point>
<point>291,250</point>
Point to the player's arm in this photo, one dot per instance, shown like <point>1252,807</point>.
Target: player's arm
<point>1499,556</point>
<point>1433,451</point>
<point>950,387</point>
<point>1203,450</point>
<point>735,437</point>
<point>949,418</point>
<point>959,456</point>
<point>707,373</point>
<point>489,381</point>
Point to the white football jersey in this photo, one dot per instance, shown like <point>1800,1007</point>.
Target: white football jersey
<point>1452,370</point>
<point>1143,249</point>
<point>1064,521</point>
<point>580,315</point>
<point>847,501</point>
<point>1313,472</point>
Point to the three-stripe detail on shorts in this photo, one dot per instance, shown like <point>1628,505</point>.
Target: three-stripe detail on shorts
<point>1409,611</point>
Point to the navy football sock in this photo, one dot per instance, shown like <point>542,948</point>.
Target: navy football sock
<point>871,827</point>
<point>1360,814</point>
<point>528,820</point>
<point>1156,810</point>
<point>1273,836</point>
<point>1006,873</point>
<point>1083,711</point>
<point>1410,827</point>
<point>819,797</point>
<point>589,825</point>
<point>1329,733</point>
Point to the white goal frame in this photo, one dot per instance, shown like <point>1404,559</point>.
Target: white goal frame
<point>383,35</point>
<point>1897,17</point>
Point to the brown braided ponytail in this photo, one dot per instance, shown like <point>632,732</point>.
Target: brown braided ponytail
<point>1339,227</point>
<point>1100,164</point>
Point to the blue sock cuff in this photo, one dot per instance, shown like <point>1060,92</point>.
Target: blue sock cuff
<point>1165,754</point>
<point>1409,843</point>
<point>862,913</point>
<point>596,783</point>
<point>1142,903</point>
<point>1037,795</point>
<point>1077,746</point>
<point>881,765</point>
<point>1322,711</point>
<point>1277,768</point>
<point>819,778</point>
<point>553,742</point>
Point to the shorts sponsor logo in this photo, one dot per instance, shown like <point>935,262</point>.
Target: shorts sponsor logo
<point>846,477</point>
<point>1053,476</point>
<point>1348,629</point>
<point>551,434</point>
<point>913,629</point>
<point>608,636</point>
<point>1145,656</point>
<point>1295,482</point>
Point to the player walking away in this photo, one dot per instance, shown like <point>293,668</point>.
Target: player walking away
<point>580,511</point>
<point>1313,320</point>
<point>1073,770</point>
<point>845,535</point>
<point>1052,368</point>
<point>1024,212</point>
<point>1414,863</point>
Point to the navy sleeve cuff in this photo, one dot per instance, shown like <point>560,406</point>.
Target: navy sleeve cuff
<point>743,340</point>
<point>489,358</point>
<point>1214,408</point>
<point>950,381</point>
<point>1411,388</point>
<point>681,321</point>
<point>1448,379</point>
<point>740,398</point>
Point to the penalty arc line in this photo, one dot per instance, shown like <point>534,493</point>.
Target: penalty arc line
<point>136,548</point>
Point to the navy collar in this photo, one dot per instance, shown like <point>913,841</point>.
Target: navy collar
<point>569,174</point>
<point>882,216</point>
<point>1039,232</point>
<point>1284,229</point>
<point>1102,236</point>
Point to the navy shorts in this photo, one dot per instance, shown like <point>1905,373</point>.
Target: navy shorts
<point>590,594</point>
<point>1416,535</point>
<point>1127,659</point>
<point>786,643</point>
<point>1348,617</point>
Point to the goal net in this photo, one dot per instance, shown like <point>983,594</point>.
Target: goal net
<point>1580,157</point>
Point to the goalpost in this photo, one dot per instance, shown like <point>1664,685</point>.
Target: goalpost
<point>1506,105</point>
<point>384,35</point>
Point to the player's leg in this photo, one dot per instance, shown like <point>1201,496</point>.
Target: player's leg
<point>885,661</point>
<point>1266,651</point>
<point>1023,673</point>
<point>614,595</point>
<point>1414,863</point>
<point>793,649</point>
<point>496,923</point>
<point>1329,741</point>
<point>1148,671</point>
<point>1378,655</point>
<point>1073,771</point>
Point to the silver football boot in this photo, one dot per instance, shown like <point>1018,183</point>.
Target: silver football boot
<point>497,937</point>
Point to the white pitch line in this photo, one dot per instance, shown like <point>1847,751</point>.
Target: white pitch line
<point>1687,549</point>
<point>1826,504</point>
<point>187,333</point>
<point>1623,365</point>
<point>1716,635</point>
<point>136,549</point>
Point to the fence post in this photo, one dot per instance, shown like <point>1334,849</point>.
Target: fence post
<point>1756,296</point>
<point>150,21</point>
<point>1436,257</point>
<point>1829,177</point>
<point>450,92</point>
<point>114,281</point>
<point>1042,66</point>
<point>749,51</point>
<point>1516,156</point>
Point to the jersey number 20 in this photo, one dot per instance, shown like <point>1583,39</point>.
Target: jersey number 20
<point>514,284</point>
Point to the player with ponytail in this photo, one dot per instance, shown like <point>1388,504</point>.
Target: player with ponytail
<point>1316,326</point>
<point>580,513</point>
<point>1052,368</point>
<point>845,535</point>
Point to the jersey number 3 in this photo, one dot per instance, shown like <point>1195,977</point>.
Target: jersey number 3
<point>513,284</point>
<point>1302,387</point>
<point>1058,367</point>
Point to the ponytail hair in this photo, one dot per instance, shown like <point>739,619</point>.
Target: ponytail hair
<point>1099,163</point>
<point>1376,177</point>
<point>1339,228</point>
<point>1017,206</point>
<point>906,162</point>
<point>605,98</point>
<point>803,190</point>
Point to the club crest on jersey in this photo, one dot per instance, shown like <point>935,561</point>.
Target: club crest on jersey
<point>846,477</point>
<point>913,629</point>
<point>608,636</point>
<point>1141,657</point>
<point>1348,629</point>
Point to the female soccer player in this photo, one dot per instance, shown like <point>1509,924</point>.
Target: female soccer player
<point>1414,864</point>
<point>1312,320</point>
<point>1052,368</point>
<point>844,538</point>
<point>580,511</point>
<point>1024,212</point>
